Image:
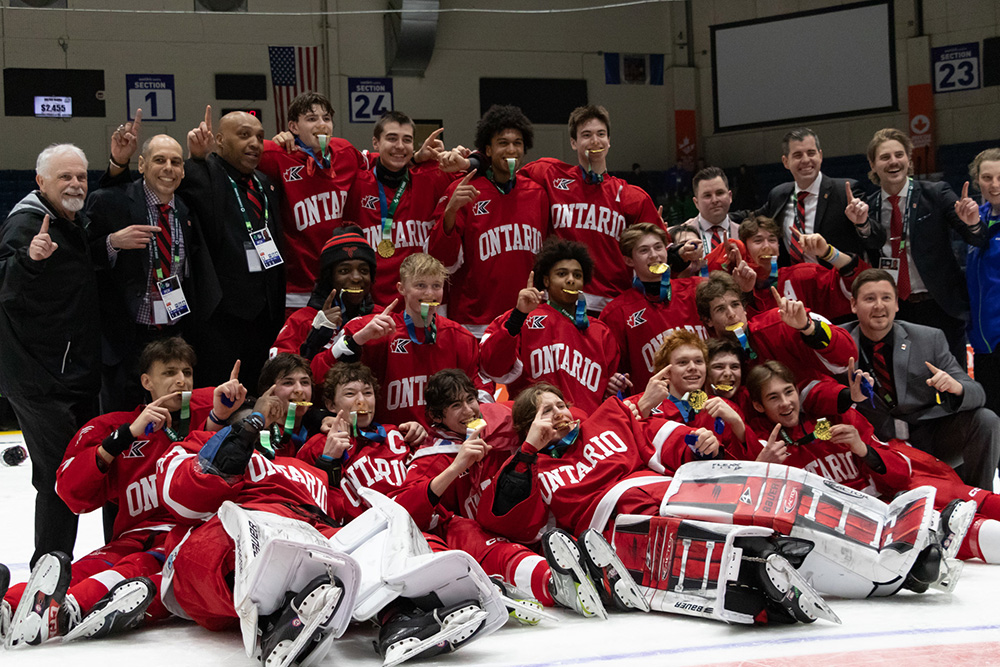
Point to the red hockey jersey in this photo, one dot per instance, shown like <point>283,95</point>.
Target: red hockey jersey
<point>411,224</point>
<point>639,324</point>
<point>130,480</point>
<point>492,248</point>
<point>770,338</point>
<point>312,205</point>
<point>551,349</point>
<point>595,215</point>
<point>823,290</point>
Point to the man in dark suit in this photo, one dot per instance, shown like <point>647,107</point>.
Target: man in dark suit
<point>142,234</point>
<point>814,203</point>
<point>920,393</point>
<point>239,212</point>
<point>907,228</point>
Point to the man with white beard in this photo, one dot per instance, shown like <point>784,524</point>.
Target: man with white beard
<point>49,325</point>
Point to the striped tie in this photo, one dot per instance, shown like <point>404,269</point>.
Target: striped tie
<point>716,237</point>
<point>164,244</point>
<point>799,223</point>
<point>256,200</point>
<point>882,376</point>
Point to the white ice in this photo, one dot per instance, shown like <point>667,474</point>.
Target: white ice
<point>960,629</point>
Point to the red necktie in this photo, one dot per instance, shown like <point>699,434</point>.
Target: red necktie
<point>716,237</point>
<point>164,245</point>
<point>881,370</point>
<point>899,248</point>
<point>795,251</point>
<point>256,200</point>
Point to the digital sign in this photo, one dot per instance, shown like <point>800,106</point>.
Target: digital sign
<point>53,107</point>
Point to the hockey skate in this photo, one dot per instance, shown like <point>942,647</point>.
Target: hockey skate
<point>123,608</point>
<point>571,585</point>
<point>35,619</point>
<point>614,584</point>
<point>292,634</point>
<point>783,584</point>
<point>956,518</point>
<point>523,608</point>
<point>408,630</point>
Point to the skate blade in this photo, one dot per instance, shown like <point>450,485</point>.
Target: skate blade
<point>567,558</point>
<point>333,598</point>
<point>528,613</point>
<point>603,556</point>
<point>465,626</point>
<point>811,602</point>
<point>127,599</point>
<point>951,571</point>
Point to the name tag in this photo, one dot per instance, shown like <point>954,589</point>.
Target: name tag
<point>265,249</point>
<point>173,303</point>
<point>891,265</point>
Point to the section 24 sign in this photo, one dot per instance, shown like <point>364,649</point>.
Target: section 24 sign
<point>369,98</point>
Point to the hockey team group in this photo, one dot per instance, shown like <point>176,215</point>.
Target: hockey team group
<point>445,389</point>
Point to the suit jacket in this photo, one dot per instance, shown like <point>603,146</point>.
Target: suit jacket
<point>124,285</point>
<point>207,190</point>
<point>916,401</point>
<point>932,219</point>
<point>830,219</point>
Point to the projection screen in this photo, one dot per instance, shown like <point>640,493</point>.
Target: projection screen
<point>818,64</point>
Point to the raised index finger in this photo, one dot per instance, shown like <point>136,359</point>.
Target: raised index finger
<point>45,225</point>
<point>137,123</point>
<point>235,373</point>
<point>388,310</point>
<point>777,297</point>
<point>434,135</point>
<point>932,367</point>
<point>468,177</point>
<point>850,194</point>
<point>329,298</point>
<point>965,190</point>
<point>208,117</point>
<point>531,280</point>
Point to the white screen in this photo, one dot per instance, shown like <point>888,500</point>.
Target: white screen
<point>823,64</point>
<point>53,107</point>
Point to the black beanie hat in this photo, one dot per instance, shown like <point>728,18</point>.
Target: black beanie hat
<point>347,242</point>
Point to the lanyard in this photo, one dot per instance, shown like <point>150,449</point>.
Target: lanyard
<point>387,215</point>
<point>907,214</point>
<point>580,318</point>
<point>182,427</point>
<point>664,286</point>
<point>322,161</point>
<point>239,200</point>
<point>430,331</point>
<point>741,336</point>
<point>175,247</point>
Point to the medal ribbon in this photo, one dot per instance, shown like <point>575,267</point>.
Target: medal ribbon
<point>665,292</point>
<point>185,422</point>
<point>388,211</point>
<point>322,161</point>
<point>430,331</point>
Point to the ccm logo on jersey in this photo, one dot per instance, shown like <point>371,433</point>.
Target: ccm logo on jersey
<point>369,202</point>
<point>399,346</point>
<point>636,319</point>
<point>479,208</point>
<point>292,174</point>
<point>561,183</point>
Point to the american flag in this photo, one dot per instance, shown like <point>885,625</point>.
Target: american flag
<point>294,70</point>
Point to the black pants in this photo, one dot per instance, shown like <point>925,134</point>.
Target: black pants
<point>49,424</point>
<point>226,339</point>
<point>930,314</point>
<point>987,372</point>
<point>972,435</point>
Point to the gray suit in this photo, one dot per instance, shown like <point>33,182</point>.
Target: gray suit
<point>959,430</point>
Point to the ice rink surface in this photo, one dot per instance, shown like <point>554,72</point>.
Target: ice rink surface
<point>958,630</point>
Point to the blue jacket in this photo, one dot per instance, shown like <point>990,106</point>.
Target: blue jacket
<point>983,276</point>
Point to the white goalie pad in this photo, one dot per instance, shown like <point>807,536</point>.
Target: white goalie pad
<point>863,547</point>
<point>276,554</point>
<point>396,561</point>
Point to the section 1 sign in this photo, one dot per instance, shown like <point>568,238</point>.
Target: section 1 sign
<point>153,93</point>
<point>956,67</point>
<point>370,98</point>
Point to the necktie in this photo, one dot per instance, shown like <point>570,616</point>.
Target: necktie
<point>799,223</point>
<point>882,375</point>
<point>899,248</point>
<point>256,200</point>
<point>164,240</point>
<point>716,236</point>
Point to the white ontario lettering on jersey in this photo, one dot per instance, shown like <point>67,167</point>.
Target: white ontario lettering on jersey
<point>558,357</point>
<point>598,448</point>
<point>319,208</point>
<point>405,392</point>
<point>411,233</point>
<point>514,237</point>
<point>141,495</point>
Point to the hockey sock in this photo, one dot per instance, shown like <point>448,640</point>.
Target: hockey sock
<point>983,540</point>
<point>531,573</point>
<point>156,611</point>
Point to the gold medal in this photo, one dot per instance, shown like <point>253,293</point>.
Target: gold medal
<point>722,387</point>
<point>571,291</point>
<point>658,269</point>
<point>351,290</point>
<point>386,248</point>
<point>734,327</point>
<point>696,399</point>
<point>822,430</point>
<point>302,404</point>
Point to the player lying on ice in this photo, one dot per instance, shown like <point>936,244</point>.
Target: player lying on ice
<point>816,427</point>
<point>112,460</point>
<point>585,473</point>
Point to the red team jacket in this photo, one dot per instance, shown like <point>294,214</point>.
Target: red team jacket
<point>130,480</point>
<point>492,248</point>
<point>593,214</point>
<point>550,348</point>
<point>412,221</point>
<point>403,367</point>
<point>639,324</point>
<point>312,204</point>
<point>614,458</point>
